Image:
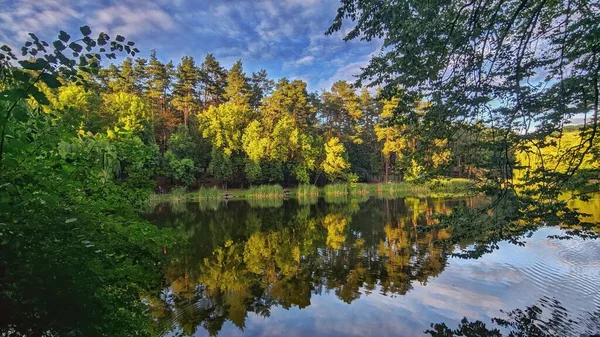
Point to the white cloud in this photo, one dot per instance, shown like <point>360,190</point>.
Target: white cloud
<point>22,17</point>
<point>132,21</point>
<point>305,60</point>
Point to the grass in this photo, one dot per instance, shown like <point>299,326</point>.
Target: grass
<point>307,191</point>
<point>209,193</point>
<point>177,194</point>
<point>336,189</point>
<point>359,189</point>
<point>336,193</point>
<point>263,192</point>
<point>452,186</point>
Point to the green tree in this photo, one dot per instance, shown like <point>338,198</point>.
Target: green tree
<point>220,165</point>
<point>335,165</point>
<point>213,81</point>
<point>224,125</point>
<point>128,111</point>
<point>238,90</point>
<point>261,87</point>
<point>508,64</point>
<point>185,88</point>
<point>288,99</point>
<point>341,111</point>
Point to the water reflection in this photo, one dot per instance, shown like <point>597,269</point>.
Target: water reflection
<point>243,260</point>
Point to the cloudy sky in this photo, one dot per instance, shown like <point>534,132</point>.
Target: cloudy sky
<point>285,37</point>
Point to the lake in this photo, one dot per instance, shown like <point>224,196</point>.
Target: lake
<point>341,267</point>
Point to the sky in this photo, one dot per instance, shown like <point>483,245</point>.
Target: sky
<point>285,37</point>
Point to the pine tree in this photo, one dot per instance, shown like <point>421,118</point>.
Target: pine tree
<point>289,99</point>
<point>185,88</point>
<point>212,82</point>
<point>238,90</point>
<point>261,86</point>
<point>159,82</point>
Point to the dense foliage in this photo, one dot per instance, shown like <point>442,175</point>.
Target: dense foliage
<point>215,126</point>
<point>501,77</point>
<point>76,258</point>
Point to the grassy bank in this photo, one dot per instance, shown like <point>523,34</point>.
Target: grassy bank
<point>309,194</point>
<point>264,192</point>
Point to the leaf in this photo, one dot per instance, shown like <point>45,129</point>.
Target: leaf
<point>85,30</point>
<point>50,80</point>
<point>58,45</point>
<point>22,76</point>
<point>76,47</point>
<point>73,220</point>
<point>63,36</point>
<point>13,94</point>
<point>5,48</point>
<point>120,38</point>
<point>39,96</point>
<point>20,113</point>
<point>39,64</point>
<point>130,43</point>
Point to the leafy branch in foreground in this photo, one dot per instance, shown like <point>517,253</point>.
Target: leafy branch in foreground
<point>76,258</point>
<point>67,60</point>
<point>522,69</point>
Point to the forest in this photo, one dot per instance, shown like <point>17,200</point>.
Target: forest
<point>91,133</point>
<point>201,124</point>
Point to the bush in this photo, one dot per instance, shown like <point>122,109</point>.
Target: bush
<point>265,192</point>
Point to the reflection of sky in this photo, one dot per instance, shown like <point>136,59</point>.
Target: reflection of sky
<point>512,277</point>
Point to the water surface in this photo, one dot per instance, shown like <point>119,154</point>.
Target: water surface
<point>361,268</point>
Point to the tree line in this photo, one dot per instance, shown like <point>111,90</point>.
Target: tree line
<point>205,124</point>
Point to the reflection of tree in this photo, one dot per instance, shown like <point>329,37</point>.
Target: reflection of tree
<point>242,260</point>
<point>335,224</point>
<point>530,322</point>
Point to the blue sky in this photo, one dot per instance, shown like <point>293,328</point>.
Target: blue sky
<point>285,37</point>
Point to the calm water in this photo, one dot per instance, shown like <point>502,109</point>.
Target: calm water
<point>349,268</point>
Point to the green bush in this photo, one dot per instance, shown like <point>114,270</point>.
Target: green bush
<point>265,192</point>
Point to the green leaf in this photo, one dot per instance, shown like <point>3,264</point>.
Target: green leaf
<point>73,220</point>
<point>38,96</point>
<point>20,113</point>
<point>58,45</point>
<point>22,76</point>
<point>85,30</point>
<point>13,94</point>
<point>50,80</point>
<point>63,36</point>
<point>39,64</point>
<point>5,48</point>
<point>76,47</point>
